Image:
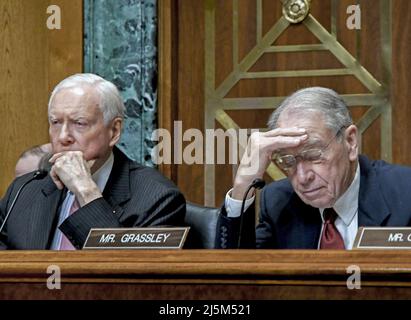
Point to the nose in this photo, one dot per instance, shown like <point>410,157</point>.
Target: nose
<point>304,172</point>
<point>65,138</point>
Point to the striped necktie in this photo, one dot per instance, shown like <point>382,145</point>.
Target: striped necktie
<point>65,243</point>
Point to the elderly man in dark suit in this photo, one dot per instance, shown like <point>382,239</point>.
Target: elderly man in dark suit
<point>330,190</point>
<point>91,184</point>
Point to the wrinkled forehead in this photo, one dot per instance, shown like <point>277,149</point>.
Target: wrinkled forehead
<point>314,141</point>
<point>312,121</point>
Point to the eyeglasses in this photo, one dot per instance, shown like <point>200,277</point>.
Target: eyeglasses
<point>288,162</point>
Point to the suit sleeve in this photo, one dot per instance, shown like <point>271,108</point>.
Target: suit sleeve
<point>265,233</point>
<point>3,211</point>
<point>228,230</point>
<point>262,237</point>
<point>165,207</point>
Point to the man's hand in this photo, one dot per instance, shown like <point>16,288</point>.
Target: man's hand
<point>71,170</point>
<point>257,155</point>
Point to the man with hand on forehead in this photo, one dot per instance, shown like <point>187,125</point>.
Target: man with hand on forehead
<point>329,191</point>
<point>91,184</point>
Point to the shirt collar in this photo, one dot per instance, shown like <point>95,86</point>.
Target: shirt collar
<point>347,205</point>
<point>100,177</point>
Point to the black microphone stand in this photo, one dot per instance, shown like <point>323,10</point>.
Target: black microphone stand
<point>257,184</point>
<point>37,175</point>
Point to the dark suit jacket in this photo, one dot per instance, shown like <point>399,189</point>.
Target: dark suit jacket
<point>134,196</point>
<point>286,222</point>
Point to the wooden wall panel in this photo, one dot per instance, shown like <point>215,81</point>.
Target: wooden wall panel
<point>401,81</point>
<point>285,61</point>
<point>167,70</point>
<point>224,19</point>
<point>247,20</point>
<point>285,86</point>
<point>32,60</point>
<point>191,89</point>
<point>364,44</point>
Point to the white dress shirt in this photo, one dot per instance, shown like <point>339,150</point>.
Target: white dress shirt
<point>346,207</point>
<point>100,177</point>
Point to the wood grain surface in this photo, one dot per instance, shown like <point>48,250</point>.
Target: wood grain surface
<point>365,44</point>
<point>33,59</point>
<point>206,274</point>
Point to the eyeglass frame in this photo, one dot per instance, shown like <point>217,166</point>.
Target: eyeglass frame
<point>276,156</point>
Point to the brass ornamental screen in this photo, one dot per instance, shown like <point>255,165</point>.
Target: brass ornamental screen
<point>294,11</point>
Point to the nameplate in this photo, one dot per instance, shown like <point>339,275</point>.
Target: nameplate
<point>383,238</point>
<point>136,238</point>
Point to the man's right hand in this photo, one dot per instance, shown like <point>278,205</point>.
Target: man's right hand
<point>72,171</point>
<point>257,155</point>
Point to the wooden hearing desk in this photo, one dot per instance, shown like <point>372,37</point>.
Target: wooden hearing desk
<point>205,274</point>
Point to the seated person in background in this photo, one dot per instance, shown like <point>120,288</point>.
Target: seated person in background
<point>330,190</point>
<point>33,159</point>
<point>91,184</point>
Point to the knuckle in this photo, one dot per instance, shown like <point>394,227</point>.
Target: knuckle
<point>255,135</point>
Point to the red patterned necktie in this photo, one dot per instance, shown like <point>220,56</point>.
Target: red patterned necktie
<point>65,243</point>
<point>330,238</point>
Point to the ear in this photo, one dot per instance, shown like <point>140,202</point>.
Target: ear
<point>115,131</point>
<point>351,142</point>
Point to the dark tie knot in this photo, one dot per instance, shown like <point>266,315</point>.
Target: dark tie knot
<point>329,215</point>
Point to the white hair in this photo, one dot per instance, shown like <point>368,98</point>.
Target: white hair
<point>326,101</point>
<point>111,104</point>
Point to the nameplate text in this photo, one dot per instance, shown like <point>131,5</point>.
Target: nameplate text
<point>137,238</point>
<point>383,238</point>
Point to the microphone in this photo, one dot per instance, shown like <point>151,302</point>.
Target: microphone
<point>39,174</point>
<point>257,184</point>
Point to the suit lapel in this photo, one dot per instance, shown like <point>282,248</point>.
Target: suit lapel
<point>116,192</point>
<point>304,226</point>
<point>44,212</point>
<point>42,218</point>
<point>117,189</point>
<point>372,208</point>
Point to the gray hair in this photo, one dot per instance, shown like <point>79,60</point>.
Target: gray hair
<point>323,100</point>
<point>111,103</point>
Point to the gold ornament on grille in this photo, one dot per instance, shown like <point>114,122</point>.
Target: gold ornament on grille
<point>296,10</point>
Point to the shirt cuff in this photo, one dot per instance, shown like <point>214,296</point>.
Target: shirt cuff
<point>233,206</point>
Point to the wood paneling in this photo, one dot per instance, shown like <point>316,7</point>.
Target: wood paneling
<point>191,88</point>
<point>364,44</point>
<point>33,59</point>
<point>285,86</point>
<point>401,81</point>
<point>224,21</point>
<point>206,274</point>
<point>167,62</point>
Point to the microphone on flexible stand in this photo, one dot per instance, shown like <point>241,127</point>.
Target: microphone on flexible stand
<point>39,174</point>
<point>257,184</point>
